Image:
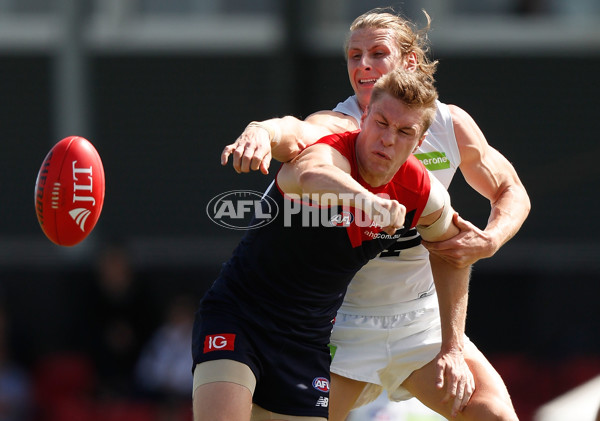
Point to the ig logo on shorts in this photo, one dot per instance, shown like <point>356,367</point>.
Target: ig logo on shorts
<point>236,208</point>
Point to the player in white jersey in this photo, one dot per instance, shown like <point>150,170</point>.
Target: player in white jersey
<point>390,285</point>
<point>392,331</point>
<point>391,304</point>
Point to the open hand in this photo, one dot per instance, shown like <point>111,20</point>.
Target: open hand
<point>251,151</point>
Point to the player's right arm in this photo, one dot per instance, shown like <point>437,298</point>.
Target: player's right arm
<point>494,177</point>
<point>322,173</point>
<point>452,286</point>
<point>282,138</point>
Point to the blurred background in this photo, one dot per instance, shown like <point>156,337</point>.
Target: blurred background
<point>160,87</point>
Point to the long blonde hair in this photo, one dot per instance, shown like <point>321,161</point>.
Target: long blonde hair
<point>409,39</point>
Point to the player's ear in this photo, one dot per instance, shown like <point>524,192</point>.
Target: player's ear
<point>420,142</point>
<point>364,115</point>
<point>411,62</point>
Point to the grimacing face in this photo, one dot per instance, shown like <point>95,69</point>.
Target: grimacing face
<point>371,54</point>
<point>391,131</point>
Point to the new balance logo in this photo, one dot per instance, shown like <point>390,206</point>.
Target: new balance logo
<point>324,402</point>
<point>80,215</point>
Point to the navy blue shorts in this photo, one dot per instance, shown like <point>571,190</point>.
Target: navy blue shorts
<point>292,376</point>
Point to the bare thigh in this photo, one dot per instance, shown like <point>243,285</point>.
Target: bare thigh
<point>223,391</point>
<point>490,401</point>
<point>223,401</point>
<point>343,394</point>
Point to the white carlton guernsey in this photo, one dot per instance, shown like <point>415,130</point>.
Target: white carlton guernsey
<point>384,287</point>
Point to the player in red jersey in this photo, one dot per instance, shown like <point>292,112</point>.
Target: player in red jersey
<point>261,335</point>
<point>405,358</point>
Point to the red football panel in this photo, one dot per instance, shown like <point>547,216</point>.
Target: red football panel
<point>45,183</point>
<point>71,197</point>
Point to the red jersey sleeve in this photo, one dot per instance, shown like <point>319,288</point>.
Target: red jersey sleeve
<point>344,143</point>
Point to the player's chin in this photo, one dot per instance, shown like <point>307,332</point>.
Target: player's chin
<point>364,94</point>
<point>380,166</point>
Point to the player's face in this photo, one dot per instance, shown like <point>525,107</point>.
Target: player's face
<point>371,54</point>
<point>390,133</point>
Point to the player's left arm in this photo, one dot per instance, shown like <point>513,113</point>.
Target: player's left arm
<point>452,286</point>
<point>494,177</point>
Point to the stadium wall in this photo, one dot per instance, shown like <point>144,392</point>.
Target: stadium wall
<point>161,121</point>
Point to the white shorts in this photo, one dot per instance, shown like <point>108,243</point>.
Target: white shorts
<point>384,350</point>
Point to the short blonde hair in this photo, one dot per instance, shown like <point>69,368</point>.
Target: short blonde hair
<point>415,89</point>
<point>408,38</point>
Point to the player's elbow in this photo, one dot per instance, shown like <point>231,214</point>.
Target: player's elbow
<point>519,199</point>
<point>284,152</point>
<point>309,178</point>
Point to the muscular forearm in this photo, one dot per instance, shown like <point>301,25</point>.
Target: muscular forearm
<point>295,136</point>
<point>319,180</point>
<point>285,136</point>
<point>507,215</point>
<point>282,139</point>
<point>452,285</point>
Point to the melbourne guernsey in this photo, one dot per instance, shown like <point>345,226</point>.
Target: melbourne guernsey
<point>290,278</point>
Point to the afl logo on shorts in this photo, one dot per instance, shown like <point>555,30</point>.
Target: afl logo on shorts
<point>342,219</point>
<point>321,384</point>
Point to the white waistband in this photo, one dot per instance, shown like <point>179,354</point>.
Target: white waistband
<point>430,301</point>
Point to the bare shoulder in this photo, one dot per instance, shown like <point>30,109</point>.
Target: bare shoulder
<point>332,120</point>
<point>461,120</point>
<point>469,137</point>
<point>456,111</point>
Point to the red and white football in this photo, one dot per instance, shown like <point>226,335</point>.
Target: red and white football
<point>69,191</point>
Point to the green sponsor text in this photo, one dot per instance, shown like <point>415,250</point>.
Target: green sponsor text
<point>434,160</point>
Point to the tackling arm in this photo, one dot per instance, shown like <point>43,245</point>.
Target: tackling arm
<point>282,138</point>
<point>494,177</point>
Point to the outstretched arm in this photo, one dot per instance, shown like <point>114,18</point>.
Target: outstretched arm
<point>494,177</point>
<point>282,138</point>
